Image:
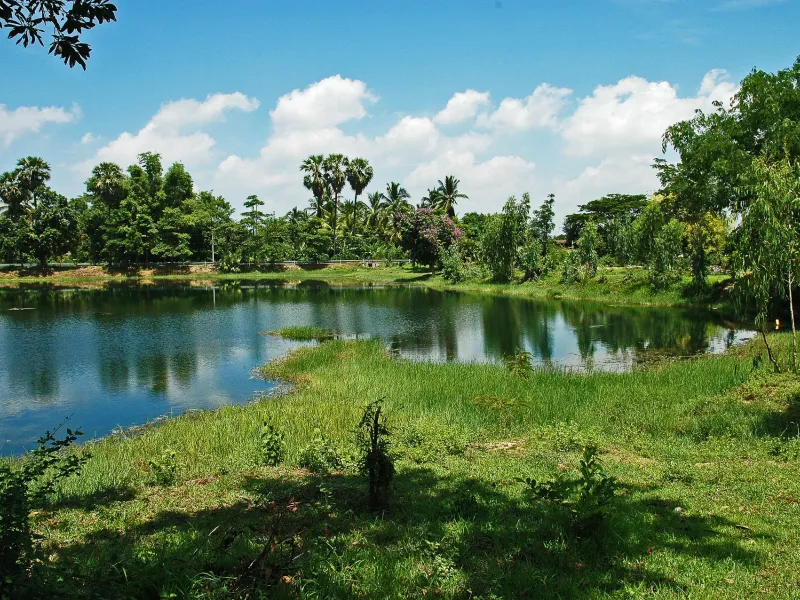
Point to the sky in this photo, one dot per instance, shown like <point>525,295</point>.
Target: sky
<point>569,98</point>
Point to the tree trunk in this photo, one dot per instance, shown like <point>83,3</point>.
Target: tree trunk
<point>794,329</point>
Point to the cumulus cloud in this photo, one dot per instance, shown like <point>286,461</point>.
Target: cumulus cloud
<point>540,109</point>
<point>463,106</point>
<point>632,114</point>
<point>88,138</point>
<point>169,131</point>
<point>327,103</point>
<point>30,119</point>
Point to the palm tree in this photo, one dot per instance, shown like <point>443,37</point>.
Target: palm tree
<point>33,173</point>
<point>107,183</point>
<point>448,195</point>
<point>431,200</point>
<point>334,170</point>
<point>359,174</point>
<point>376,210</point>
<point>396,198</point>
<point>12,196</point>
<point>314,180</point>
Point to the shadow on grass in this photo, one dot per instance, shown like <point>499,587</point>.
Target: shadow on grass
<point>446,536</point>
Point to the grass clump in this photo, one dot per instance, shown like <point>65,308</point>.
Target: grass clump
<point>303,333</point>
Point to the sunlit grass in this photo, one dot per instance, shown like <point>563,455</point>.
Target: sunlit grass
<point>303,333</point>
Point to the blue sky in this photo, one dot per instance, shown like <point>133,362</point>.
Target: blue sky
<point>562,97</point>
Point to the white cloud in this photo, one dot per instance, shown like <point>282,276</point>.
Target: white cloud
<point>166,133</point>
<point>463,106</point>
<point>540,109</point>
<point>632,115</point>
<point>327,103</point>
<point>88,138</point>
<point>30,119</point>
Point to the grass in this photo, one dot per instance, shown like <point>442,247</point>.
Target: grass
<point>707,451</point>
<point>303,333</point>
<point>616,285</point>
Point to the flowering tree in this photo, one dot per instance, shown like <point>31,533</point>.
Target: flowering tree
<point>425,234</point>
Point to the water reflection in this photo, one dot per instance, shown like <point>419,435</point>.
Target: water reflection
<point>120,354</point>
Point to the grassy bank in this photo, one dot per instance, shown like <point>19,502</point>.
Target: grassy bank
<point>616,285</point>
<point>706,451</point>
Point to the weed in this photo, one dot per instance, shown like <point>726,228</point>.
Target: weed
<point>586,498</point>
<point>519,363</point>
<point>320,456</point>
<point>273,445</point>
<point>163,469</point>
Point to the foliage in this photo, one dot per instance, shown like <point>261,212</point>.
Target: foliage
<point>273,444</point>
<point>587,249</point>
<point>425,234</point>
<point>572,271</point>
<point>25,486</point>
<point>376,462</point>
<point>26,19</point>
<point>453,267</point>
<point>542,223</point>
<point>646,229</point>
<point>585,499</point>
<point>320,455</point>
<point>531,260</point>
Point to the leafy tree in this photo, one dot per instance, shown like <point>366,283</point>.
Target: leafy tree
<point>573,226</point>
<point>646,228</point>
<point>665,262</point>
<point>425,234</point>
<point>107,185</point>
<point>542,223</point>
<point>54,227</point>
<point>587,248</point>
<point>766,259</point>
<point>26,19</point>
<point>503,236</point>
<point>376,211</point>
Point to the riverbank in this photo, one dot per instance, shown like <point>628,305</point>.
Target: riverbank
<point>705,450</point>
<point>614,285</point>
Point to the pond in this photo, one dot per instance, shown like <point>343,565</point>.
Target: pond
<point>118,354</point>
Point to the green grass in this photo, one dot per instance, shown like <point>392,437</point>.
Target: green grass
<point>706,450</point>
<point>303,333</point>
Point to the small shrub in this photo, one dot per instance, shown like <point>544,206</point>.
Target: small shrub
<point>376,461</point>
<point>320,456</point>
<point>519,363</point>
<point>503,406</point>
<point>273,446</point>
<point>164,468</point>
<point>585,499</point>
<point>571,270</point>
<point>23,486</point>
<point>531,261</point>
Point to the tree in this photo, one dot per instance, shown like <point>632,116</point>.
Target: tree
<point>503,235</point>
<point>54,227</point>
<point>646,228</point>
<point>107,185</point>
<point>26,19</point>
<point>665,261</point>
<point>376,210</point>
<point>314,180</point>
<point>447,196</point>
<point>426,234</point>
<point>359,175</point>
<point>334,171</point>
<point>766,259</point>
<point>542,223</point>
<point>396,199</point>
<point>587,248</point>
<point>32,172</point>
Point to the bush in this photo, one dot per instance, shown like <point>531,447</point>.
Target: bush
<point>520,363</point>
<point>23,486</point>
<point>320,456</point>
<point>453,267</point>
<point>571,270</point>
<point>503,235</point>
<point>273,447</point>
<point>425,234</point>
<point>531,261</point>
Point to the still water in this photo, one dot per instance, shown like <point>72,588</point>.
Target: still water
<point>117,355</point>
